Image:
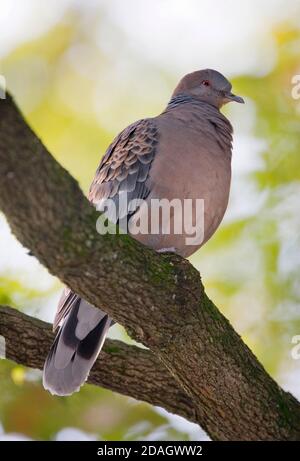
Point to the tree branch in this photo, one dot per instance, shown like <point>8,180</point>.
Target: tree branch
<point>158,298</point>
<point>129,370</point>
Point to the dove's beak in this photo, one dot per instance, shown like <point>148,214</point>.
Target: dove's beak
<point>232,97</point>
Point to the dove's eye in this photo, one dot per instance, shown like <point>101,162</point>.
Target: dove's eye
<point>205,83</point>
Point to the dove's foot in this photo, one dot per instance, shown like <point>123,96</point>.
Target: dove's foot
<point>167,250</point>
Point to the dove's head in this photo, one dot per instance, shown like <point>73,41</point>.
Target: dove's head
<point>209,86</point>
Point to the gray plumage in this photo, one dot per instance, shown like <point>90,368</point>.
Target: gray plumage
<point>184,153</point>
<point>76,346</point>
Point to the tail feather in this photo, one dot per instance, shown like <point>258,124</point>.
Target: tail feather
<point>75,348</point>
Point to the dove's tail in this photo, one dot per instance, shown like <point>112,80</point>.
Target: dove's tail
<point>76,347</point>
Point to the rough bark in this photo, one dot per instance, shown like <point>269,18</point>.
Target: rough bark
<point>158,298</point>
<point>129,370</point>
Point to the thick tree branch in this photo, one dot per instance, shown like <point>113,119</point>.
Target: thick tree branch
<point>129,370</point>
<point>158,298</point>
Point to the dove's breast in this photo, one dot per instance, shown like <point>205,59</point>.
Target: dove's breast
<point>189,181</point>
